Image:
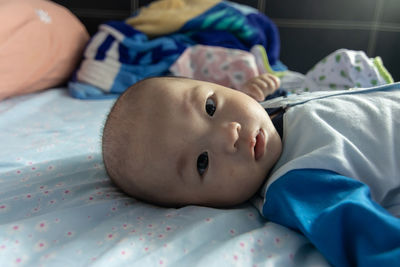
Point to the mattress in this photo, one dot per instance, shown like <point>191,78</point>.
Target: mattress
<point>59,208</point>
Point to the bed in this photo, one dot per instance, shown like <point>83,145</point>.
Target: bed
<point>59,208</point>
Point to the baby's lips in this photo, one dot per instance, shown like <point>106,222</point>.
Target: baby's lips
<point>259,148</point>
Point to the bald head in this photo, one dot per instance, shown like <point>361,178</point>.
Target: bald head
<point>132,152</point>
<point>122,128</point>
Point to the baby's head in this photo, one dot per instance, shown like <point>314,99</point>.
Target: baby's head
<point>176,141</point>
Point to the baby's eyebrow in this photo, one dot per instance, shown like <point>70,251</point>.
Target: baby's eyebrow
<point>188,101</point>
<point>181,165</point>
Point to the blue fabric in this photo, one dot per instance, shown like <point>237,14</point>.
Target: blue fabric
<point>338,216</point>
<point>107,72</point>
<point>228,26</point>
<point>138,58</point>
<point>101,53</point>
<point>87,91</point>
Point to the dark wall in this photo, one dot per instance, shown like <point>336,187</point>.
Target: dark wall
<point>309,29</point>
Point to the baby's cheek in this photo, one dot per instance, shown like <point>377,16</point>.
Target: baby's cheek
<point>231,172</point>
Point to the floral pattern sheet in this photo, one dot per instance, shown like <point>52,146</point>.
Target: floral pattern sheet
<point>59,208</point>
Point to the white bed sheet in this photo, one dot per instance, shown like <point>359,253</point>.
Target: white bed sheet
<point>58,207</point>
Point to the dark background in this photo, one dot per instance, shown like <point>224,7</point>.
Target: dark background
<point>309,29</point>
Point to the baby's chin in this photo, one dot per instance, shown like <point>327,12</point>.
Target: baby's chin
<point>231,201</point>
<point>226,201</point>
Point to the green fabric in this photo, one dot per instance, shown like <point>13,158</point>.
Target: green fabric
<point>382,70</point>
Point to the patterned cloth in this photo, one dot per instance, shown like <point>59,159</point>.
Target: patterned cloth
<point>59,208</point>
<point>344,69</point>
<point>119,55</point>
<point>341,70</point>
<point>224,66</point>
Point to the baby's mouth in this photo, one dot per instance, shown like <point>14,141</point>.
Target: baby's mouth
<point>259,147</point>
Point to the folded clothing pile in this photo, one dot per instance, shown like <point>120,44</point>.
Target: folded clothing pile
<point>148,43</point>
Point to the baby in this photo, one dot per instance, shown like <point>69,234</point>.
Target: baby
<point>334,177</point>
<point>184,141</point>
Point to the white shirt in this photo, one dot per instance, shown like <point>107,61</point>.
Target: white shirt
<point>354,133</point>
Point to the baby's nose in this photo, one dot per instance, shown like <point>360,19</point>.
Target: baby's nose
<point>229,136</point>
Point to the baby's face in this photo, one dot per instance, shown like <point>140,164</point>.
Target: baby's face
<point>204,143</point>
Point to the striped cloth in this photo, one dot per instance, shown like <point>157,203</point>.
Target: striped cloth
<point>119,55</point>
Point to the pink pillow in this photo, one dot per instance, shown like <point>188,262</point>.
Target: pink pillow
<point>41,43</point>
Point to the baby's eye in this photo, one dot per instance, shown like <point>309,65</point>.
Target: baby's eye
<point>202,163</point>
<point>210,106</point>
